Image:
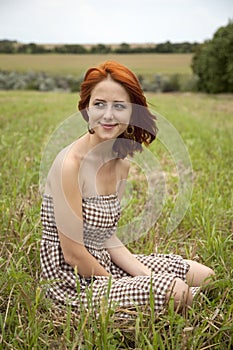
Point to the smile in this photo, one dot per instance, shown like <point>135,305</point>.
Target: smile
<point>108,126</point>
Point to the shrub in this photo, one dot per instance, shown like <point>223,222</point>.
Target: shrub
<point>37,81</point>
<point>43,82</point>
<point>213,62</point>
<point>169,84</point>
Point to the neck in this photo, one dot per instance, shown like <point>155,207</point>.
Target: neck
<point>101,149</point>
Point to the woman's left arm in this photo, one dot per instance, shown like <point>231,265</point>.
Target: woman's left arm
<point>123,258</point>
<point>120,255</point>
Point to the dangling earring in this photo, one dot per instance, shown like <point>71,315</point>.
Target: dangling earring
<point>129,132</point>
<point>91,131</point>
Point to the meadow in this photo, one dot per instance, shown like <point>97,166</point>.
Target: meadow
<point>78,64</point>
<point>27,319</point>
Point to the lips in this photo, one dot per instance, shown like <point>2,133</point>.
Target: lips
<point>108,126</point>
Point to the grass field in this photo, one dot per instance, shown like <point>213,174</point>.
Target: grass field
<point>27,319</point>
<point>145,64</point>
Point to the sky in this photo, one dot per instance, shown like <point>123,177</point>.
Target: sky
<point>112,21</point>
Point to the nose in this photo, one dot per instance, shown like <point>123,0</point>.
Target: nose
<point>108,113</point>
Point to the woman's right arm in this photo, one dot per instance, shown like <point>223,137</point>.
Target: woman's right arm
<point>67,198</point>
<point>76,255</point>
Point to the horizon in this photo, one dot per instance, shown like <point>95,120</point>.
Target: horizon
<point>146,44</point>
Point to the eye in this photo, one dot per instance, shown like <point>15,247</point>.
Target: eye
<point>99,104</point>
<point>119,106</point>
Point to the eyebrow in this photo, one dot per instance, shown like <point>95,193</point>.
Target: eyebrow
<point>101,100</point>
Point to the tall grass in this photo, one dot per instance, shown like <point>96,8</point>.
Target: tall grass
<point>29,321</point>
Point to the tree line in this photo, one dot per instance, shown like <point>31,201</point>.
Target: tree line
<point>212,65</point>
<point>13,47</point>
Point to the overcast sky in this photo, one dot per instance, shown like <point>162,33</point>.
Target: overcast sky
<point>112,21</point>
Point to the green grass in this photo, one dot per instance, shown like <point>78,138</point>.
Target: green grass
<point>145,64</point>
<point>28,320</point>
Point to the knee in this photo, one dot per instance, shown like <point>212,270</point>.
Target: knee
<point>210,274</point>
<point>199,274</point>
<point>181,294</point>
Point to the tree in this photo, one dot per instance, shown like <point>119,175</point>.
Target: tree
<point>123,48</point>
<point>166,47</point>
<point>100,48</point>
<point>213,62</point>
<point>75,48</point>
<point>7,46</point>
<point>31,48</point>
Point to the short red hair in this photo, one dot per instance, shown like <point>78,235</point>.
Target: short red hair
<point>142,120</point>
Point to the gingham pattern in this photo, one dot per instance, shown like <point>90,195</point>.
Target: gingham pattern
<point>100,215</point>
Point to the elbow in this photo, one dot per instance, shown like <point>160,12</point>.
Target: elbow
<point>72,252</point>
<point>69,260</point>
<point>73,258</point>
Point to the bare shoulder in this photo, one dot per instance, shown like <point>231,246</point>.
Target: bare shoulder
<point>72,167</point>
<point>65,165</point>
<point>72,159</point>
<point>67,159</point>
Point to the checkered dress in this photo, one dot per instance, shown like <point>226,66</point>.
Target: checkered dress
<point>100,218</point>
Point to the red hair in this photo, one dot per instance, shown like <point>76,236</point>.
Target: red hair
<point>143,122</point>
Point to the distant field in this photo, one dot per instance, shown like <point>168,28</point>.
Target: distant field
<point>145,64</point>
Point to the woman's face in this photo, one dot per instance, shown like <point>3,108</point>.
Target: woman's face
<point>109,109</point>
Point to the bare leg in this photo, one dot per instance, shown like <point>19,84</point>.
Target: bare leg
<point>198,274</point>
<point>181,294</point>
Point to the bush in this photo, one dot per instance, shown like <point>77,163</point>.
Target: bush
<point>213,62</point>
<point>169,84</point>
<point>41,81</point>
<point>38,81</point>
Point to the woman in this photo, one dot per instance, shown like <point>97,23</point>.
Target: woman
<point>81,205</point>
